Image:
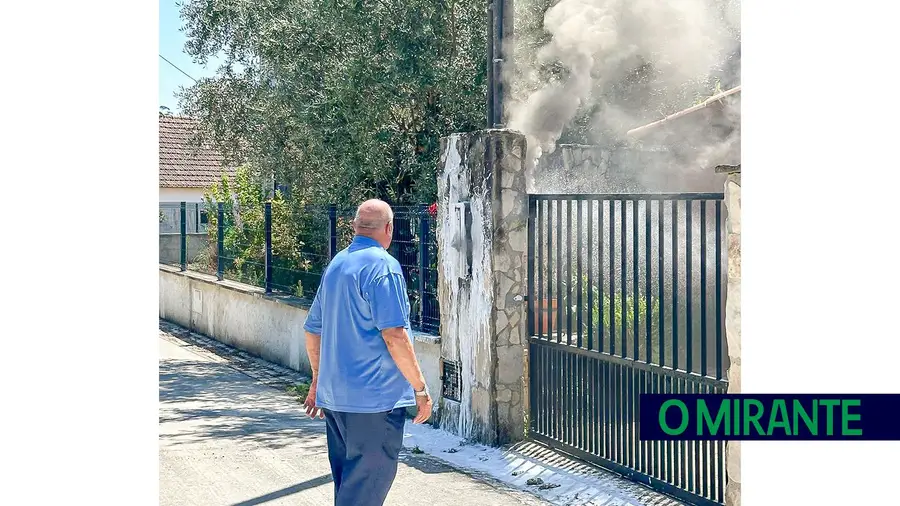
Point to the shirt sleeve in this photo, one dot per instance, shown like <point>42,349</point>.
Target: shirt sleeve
<point>388,301</point>
<point>313,323</point>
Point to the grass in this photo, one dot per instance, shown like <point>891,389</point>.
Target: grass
<point>300,391</point>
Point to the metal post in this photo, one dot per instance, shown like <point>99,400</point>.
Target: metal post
<point>497,63</point>
<point>332,231</point>
<point>490,65</point>
<point>268,247</point>
<point>499,30</point>
<point>529,297</point>
<point>220,242</point>
<point>183,236</point>
<point>424,240</point>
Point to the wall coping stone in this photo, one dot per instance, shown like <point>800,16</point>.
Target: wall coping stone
<point>728,169</point>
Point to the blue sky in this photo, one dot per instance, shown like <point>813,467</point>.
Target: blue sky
<point>171,45</point>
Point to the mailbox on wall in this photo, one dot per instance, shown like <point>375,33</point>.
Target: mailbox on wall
<point>462,237</point>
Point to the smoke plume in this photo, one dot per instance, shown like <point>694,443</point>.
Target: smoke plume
<point>604,66</point>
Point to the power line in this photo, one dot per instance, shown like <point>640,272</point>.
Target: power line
<point>176,68</point>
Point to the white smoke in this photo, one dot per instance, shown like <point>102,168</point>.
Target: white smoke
<point>599,45</point>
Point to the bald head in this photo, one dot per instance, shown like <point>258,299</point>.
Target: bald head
<point>374,218</point>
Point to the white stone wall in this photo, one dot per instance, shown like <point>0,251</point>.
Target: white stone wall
<point>482,319</point>
<point>236,314</point>
<point>269,327</point>
<point>464,286</point>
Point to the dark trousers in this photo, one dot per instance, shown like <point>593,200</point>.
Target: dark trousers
<point>363,449</point>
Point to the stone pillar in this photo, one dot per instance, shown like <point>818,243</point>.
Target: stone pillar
<point>482,248</point>
<point>733,319</point>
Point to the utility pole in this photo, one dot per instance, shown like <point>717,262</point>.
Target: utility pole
<point>499,31</point>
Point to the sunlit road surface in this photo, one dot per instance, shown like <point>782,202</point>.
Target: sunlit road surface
<point>227,440</point>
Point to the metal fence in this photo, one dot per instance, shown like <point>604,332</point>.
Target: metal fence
<point>415,247</point>
<point>260,248</point>
<point>626,297</point>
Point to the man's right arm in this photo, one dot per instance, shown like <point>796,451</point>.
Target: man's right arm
<point>313,350</point>
<point>313,328</point>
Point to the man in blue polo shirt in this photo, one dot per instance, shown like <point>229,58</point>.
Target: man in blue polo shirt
<point>365,372</point>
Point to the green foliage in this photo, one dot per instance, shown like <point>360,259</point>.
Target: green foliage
<point>612,313</point>
<point>632,309</point>
<point>298,290</point>
<point>340,99</point>
<point>628,312</point>
<point>244,241</point>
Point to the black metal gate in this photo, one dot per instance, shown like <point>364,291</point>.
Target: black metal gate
<point>625,296</point>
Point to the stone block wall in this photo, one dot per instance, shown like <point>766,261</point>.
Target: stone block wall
<point>509,255</point>
<point>576,168</point>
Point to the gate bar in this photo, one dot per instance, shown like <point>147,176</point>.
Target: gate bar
<point>631,196</point>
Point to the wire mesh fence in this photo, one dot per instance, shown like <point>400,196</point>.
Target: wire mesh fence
<point>415,246</point>
<point>286,251</point>
<point>298,266</point>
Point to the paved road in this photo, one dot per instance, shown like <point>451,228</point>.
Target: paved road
<point>226,439</point>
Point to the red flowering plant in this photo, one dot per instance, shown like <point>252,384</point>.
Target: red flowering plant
<point>432,210</point>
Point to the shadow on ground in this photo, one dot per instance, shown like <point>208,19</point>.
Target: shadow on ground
<point>218,402</point>
<point>293,489</point>
<point>211,401</point>
<point>208,401</point>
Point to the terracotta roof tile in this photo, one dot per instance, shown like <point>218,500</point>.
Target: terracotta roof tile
<point>182,164</point>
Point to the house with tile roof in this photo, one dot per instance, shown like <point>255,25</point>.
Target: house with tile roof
<point>186,170</point>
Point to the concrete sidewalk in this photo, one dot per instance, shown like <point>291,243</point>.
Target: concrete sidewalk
<point>226,438</point>
<point>228,427</point>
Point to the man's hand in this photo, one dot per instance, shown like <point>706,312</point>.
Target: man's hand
<point>310,404</point>
<point>313,348</point>
<point>423,406</point>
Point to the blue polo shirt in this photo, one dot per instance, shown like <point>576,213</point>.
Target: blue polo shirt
<point>361,293</point>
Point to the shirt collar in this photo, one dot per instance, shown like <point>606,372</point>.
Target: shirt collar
<point>363,241</point>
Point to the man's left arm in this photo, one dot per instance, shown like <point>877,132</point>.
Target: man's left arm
<point>387,296</point>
